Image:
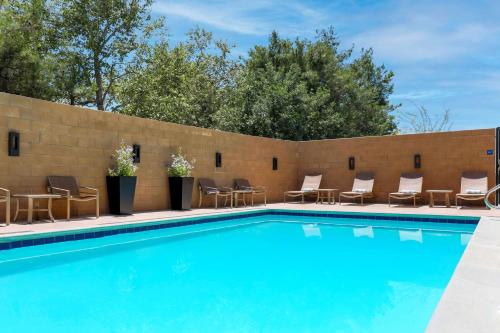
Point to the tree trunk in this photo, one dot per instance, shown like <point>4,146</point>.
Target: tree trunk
<point>99,94</point>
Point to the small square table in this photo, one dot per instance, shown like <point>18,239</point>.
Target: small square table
<point>446,196</point>
<point>31,198</point>
<point>236,194</point>
<point>328,194</point>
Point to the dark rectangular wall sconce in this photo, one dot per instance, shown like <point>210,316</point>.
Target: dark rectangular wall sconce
<point>14,144</point>
<point>352,163</point>
<point>218,160</point>
<point>136,150</point>
<point>417,161</point>
<point>275,163</point>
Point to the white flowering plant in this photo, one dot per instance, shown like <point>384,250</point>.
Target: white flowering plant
<point>180,166</point>
<point>124,162</point>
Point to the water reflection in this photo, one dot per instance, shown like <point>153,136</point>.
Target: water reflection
<point>411,235</point>
<point>465,238</point>
<point>311,230</point>
<point>363,232</point>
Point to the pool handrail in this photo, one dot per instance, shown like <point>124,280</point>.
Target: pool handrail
<point>486,198</point>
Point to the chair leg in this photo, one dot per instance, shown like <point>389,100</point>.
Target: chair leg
<point>216,197</point>
<point>361,200</point>
<point>201,197</point>
<point>415,202</point>
<point>7,211</point>
<point>265,198</point>
<point>17,210</point>
<point>389,200</point>
<point>302,198</point>
<point>49,210</point>
<point>97,207</point>
<point>68,206</point>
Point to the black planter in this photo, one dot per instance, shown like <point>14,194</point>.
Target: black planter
<point>181,192</point>
<point>121,192</point>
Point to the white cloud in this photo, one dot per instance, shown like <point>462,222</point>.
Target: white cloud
<point>245,17</point>
<point>422,94</point>
<point>405,43</point>
<point>484,81</point>
<point>215,17</point>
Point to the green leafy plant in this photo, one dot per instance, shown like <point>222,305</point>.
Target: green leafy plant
<point>124,162</point>
<point>180,166</point>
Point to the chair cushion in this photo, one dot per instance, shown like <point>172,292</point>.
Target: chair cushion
<point>409,192</point>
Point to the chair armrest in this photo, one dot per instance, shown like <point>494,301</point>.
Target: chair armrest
<point>92,189</point>
<point>208,188</point>
<point>55,189</point>
<point>259,187</point>
<point>7,192</point>
<point>225,189</point>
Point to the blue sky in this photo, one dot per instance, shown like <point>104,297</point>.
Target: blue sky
<point>445,53</point>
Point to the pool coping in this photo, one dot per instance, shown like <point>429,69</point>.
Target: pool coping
<point>471,300</point>
<point>47,237</point>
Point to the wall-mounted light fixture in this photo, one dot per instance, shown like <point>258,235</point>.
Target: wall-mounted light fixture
<point>218,160</point>
<point>14,143</point>
<point>275,163</point>
<point>352,163</point>
<point>417,161</point>
<point>136,150</point>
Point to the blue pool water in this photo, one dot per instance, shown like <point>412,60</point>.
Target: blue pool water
<point>255,274</point>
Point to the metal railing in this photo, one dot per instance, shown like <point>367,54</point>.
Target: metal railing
<point>486,198</point>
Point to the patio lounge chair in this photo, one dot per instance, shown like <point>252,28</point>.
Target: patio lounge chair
<point>474,185</point>
<point>207,187</point>
<point>362,187</point>
<point>309,186</point>
<point>244,185</point>
<point>69,190</point>
<point>410,187</point>
<point>5,197</point>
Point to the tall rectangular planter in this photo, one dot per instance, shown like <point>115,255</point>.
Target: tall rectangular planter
<point>121,193</point>
<point>181,192</point>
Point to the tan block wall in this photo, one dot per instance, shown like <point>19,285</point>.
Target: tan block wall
<point>59,139</point>
<point>444,157</point>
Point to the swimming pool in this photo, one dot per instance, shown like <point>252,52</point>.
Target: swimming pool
<point>262,273</point>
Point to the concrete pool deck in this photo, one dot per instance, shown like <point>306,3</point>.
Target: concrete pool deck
<point>470,303</point>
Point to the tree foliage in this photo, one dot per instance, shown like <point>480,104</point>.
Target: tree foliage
<point>25,48</point>
<point>186,84</point>
<point>99,36</point>
<point>304,90</point>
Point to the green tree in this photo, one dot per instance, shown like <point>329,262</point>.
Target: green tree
<point>186,84</point>
<point>25,48</point>
<point>101,36</point>
<point>303,90</point>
